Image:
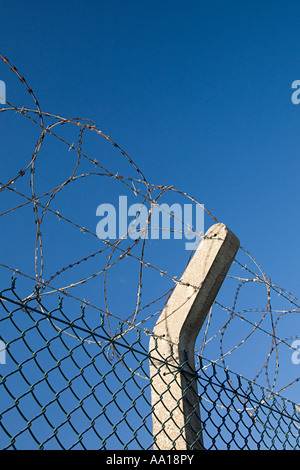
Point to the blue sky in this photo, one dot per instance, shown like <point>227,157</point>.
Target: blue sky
<point>197,93</point>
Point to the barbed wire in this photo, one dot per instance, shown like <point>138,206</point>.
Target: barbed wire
<point>217,328</point>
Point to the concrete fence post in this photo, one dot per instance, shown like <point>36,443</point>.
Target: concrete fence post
<point>174,395</point>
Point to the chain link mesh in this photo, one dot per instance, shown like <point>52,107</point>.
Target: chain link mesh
<point>67,383</point>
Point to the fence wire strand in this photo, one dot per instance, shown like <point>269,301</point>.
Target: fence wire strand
<point>262,419</point>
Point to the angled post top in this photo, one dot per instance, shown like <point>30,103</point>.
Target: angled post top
<point>189,304</point>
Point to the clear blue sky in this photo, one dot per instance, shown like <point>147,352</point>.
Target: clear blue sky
<point>197,93</point>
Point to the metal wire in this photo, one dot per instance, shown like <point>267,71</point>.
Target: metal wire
<point>91,390</point>
<point>84,375</point>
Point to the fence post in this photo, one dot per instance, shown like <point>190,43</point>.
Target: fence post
<point>174,395</point>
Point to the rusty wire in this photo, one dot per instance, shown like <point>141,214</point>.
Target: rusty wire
<point>152,193</point>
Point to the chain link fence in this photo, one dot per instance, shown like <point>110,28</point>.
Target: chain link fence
<point>68,383</point>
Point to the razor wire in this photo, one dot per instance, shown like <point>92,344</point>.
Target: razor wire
<point>254,322</point>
